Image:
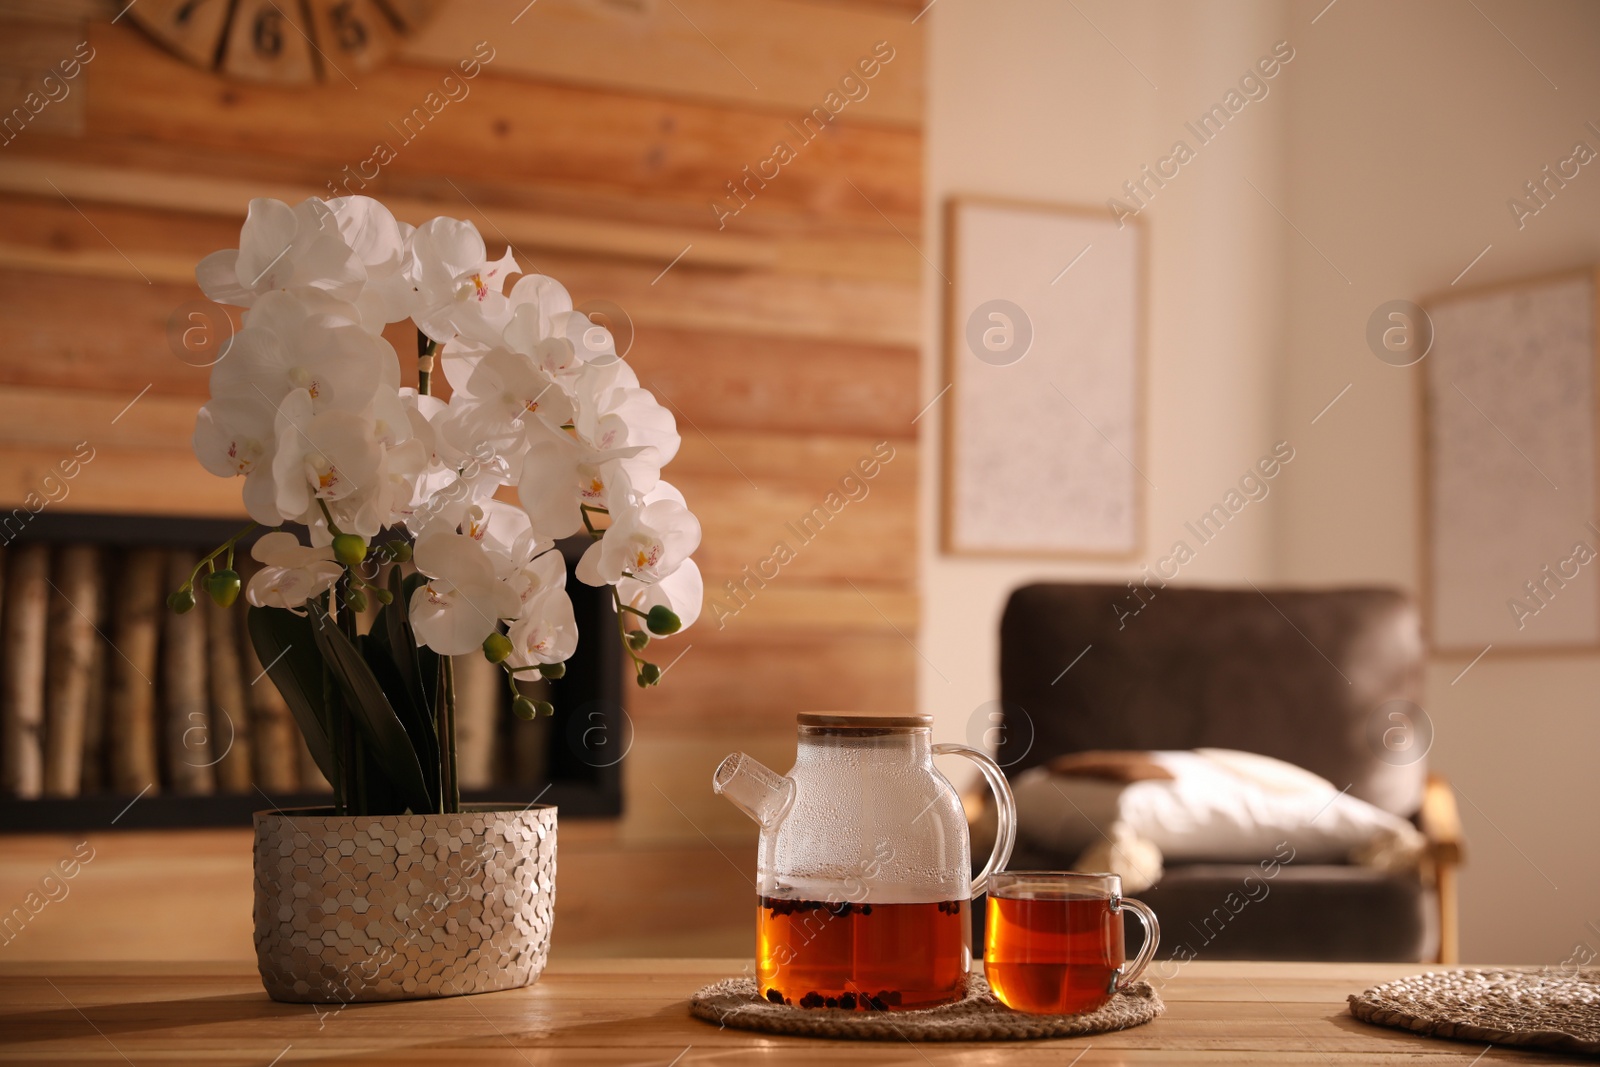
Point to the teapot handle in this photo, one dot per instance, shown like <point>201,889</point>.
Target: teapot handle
<point>1006,833</point>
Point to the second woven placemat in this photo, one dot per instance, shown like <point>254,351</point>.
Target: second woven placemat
<point>1533,1009</point>
<point>977,1016</point>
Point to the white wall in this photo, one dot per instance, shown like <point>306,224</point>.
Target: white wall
<point>1392,141</point>
<point>1412,125</point>
<point>1026,100</point>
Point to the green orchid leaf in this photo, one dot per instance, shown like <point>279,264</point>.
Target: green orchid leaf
<point>374,716</point>
<point>285,643</point>
<point>379,795</point>
<point>392,630</point>
<point>426,659</point>
<point>418,726</point>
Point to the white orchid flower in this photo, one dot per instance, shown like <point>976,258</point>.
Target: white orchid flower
<point>283,247</point>
<point>546,631</point>
<point>391,421</point>
<point>499,401</point>
<point>536,572</point>
<point>329,460</point>
<point>683,591</point>
<point>561,475</point>
<point>506,534</point>
<point>235,438</point>
<point>535,302</point>
<point>463,600</point>
<point>456,290</point>
<point>648,539</point>
<point>575,343</point>
<point>291,574</point>
<point>382,244</point>
<point>421,468</point>
<point>399,473</point>
<point>563,342</point>
<point>451,495</point>
<point>613,412</point>
<point>291,342</point>
<point>421,410</point>
<point>308,409</point>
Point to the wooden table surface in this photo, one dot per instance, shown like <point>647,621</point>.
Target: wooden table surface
<point>635,1012</point>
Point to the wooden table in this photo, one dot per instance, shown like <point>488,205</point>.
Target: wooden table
<point>635,1012</point>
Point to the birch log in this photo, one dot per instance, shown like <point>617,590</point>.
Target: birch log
<point>479,684</point>
<point>186,714</point>
<point>23,660</point>
<point>137,604</point>
<point>72,646</point>
<point>273,744</point>
<point>230,715</point>
<point>96,759</point>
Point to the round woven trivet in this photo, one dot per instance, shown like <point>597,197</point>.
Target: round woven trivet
<point>977,1016</point>
<point>1534,1009</point>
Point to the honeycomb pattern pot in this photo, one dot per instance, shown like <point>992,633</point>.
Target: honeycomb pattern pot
<point>396,907</point>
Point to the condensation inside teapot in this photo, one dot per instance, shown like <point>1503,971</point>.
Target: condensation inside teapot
<point>864,869</point>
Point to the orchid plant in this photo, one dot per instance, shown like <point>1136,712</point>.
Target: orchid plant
<point>307,406</point>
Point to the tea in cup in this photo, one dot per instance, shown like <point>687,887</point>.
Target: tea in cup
<point>1053,943</point>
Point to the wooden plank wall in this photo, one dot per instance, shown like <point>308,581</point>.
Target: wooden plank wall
<point>594,142</point>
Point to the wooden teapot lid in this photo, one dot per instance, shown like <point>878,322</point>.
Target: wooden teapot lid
<point>861,720</point>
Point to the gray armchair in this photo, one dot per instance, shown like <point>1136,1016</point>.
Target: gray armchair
<point>1299,675</point>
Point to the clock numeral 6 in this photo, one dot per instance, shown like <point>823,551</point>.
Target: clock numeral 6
<point>268,34</point>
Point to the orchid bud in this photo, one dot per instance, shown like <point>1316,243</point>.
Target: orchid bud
<point>349,549</point>
<point>637,640</point>
<point>544,708</point>
<point>399,551</point>
<point>662,620</point>
<point>496,647</point>
<point>552,670</point>
<point>524,709</point>
<point>181,600</point>
<point>223,586</point>
<point>649,674</point>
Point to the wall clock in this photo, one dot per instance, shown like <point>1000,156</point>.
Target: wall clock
<point>283,42</point>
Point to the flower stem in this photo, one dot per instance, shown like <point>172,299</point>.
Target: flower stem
<point>326,514</point>
<point>426,351</point>
<point>226,546</point>
<point>622,628</point>
<point>449,668</point>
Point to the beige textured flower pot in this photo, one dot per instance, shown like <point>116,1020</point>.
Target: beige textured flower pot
<point>354,908</point>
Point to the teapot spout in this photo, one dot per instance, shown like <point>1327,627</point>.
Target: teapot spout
<point>754,788</point>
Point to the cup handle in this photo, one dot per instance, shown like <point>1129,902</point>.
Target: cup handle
<point>1129,973</point>
<point>1005,837</point>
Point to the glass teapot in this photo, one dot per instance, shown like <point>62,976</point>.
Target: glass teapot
<point>864,877</point>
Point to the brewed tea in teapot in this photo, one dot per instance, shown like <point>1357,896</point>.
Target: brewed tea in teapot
<point>864,871</point>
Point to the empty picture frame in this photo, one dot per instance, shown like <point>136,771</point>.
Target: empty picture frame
<point>1044,335</point>
<point>1509,453</point>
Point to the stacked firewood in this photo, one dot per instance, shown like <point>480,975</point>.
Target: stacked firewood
<point>103,689</point>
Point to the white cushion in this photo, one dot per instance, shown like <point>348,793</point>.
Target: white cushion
<point>1221,806</point>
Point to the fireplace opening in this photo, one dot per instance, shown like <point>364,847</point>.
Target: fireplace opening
<point>572,759</point>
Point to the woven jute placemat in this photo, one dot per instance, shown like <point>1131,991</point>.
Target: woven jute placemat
<point>1559,1011</point>
<point>977,1016</point>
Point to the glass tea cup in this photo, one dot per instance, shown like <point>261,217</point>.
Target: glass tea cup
<point>1053,943</point>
